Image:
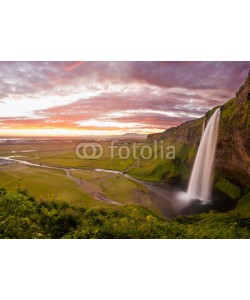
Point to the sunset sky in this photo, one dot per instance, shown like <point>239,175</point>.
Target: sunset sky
<point>110,98</point>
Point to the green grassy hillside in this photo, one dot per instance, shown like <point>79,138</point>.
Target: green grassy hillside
<point>23,217</point>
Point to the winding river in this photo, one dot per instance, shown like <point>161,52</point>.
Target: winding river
<point>162,194</point>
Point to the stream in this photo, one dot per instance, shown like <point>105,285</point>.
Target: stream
<point>162,199</point>
<point>163,195</point>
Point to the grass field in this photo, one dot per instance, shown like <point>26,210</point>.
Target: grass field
<point>117,187</point>
<point>53,184</point>
<point>45,184</point>
<point>63,154</point>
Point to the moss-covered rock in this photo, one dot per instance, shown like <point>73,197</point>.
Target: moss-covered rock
<point>225,186</point>
<point>243,207</point>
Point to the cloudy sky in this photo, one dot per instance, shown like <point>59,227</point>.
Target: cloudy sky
<point>109,98</point>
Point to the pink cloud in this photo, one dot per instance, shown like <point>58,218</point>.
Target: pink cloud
<point>184,89</point>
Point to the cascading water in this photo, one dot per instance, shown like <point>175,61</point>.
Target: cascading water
<point>203,127</point>
<point>200,184</point>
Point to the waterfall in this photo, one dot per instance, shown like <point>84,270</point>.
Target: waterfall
<point>203,126</point>
<point>200,184</point>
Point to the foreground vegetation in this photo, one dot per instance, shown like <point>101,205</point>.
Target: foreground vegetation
<point>21,216</point>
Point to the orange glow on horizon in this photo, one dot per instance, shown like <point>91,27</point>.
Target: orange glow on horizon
<point>61,132</point>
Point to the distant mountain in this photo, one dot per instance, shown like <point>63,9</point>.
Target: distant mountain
<point>134,135</point>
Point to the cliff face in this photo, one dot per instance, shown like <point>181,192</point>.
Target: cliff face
<point>189,132</point>
<point>233,151</point>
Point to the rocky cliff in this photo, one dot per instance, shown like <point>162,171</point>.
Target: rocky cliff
<point>233,151</point>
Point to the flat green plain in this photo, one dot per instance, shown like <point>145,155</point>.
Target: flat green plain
<point>44,184</point>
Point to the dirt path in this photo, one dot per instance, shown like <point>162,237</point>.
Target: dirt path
<point>95,191</point>
<point>162,200</point>
<point>84,185</point>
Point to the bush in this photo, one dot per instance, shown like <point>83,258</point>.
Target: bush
<point>23,217</point>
